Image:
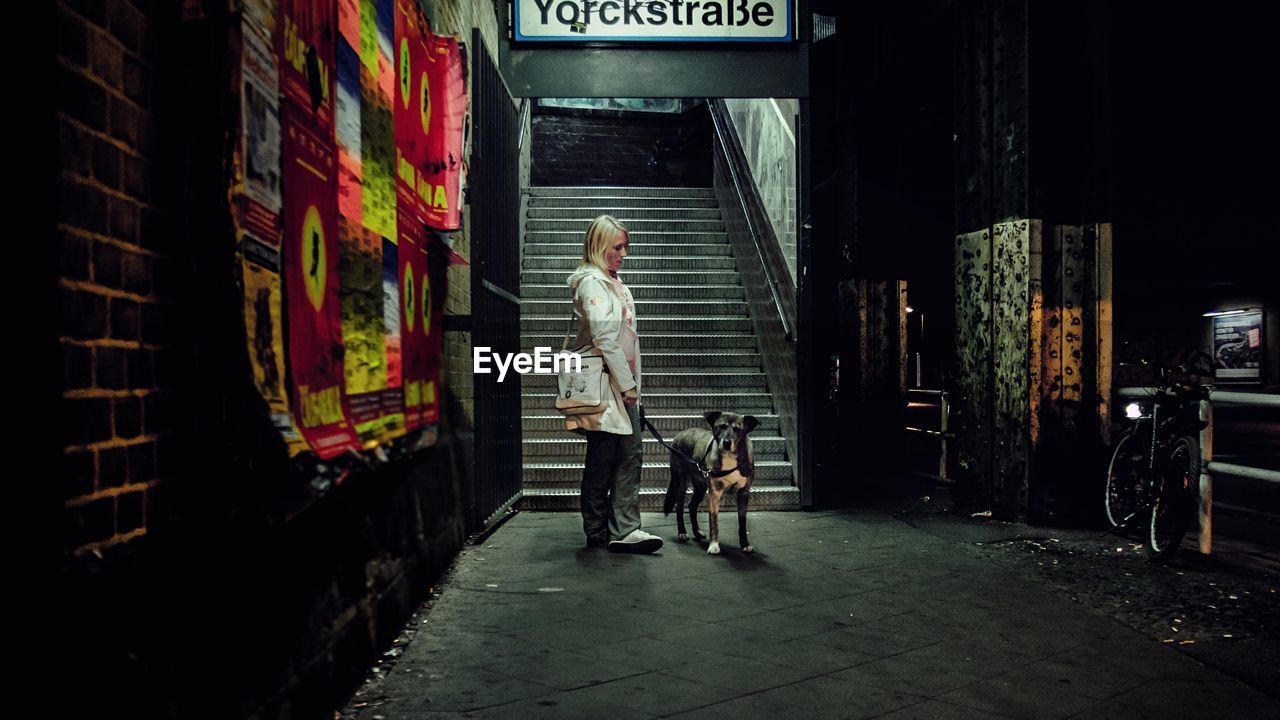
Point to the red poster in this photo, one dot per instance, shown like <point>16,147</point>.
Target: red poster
<point>435,282</point>
<point>413,108</point>
<point>259,220</point>
<point>446,107</point>
<point>413,349</point>
<point>310,258</point>
<point>305,42</point>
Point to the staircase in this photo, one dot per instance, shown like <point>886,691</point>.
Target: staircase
<point>696,340</point>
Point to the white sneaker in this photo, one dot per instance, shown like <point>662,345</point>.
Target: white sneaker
<point>638,541</point>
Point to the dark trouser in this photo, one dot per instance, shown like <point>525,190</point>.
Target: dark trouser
<point>611,482</point>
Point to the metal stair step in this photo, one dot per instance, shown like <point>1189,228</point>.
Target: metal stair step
<point>638,237</point>
<point>745,361</point>
<point>632,276</point>
<point>762,499</point>
<point>572,486</point>
<point>580,224</point>
<point>644,308</point>
<point>565,496</point>
<point>764,496</point>
<point>700,351</point>
<point>627,191</point>
<point>566,264</point>
<point>695,400</point>
<point>656,381</point>
<point>561,291</point>
<point>715,359</point>
<point>654,473</point>
<point>619,203</point>
<point>571,446</point>
<point>626,215</point>
<point>654,341</point>
<point>652,452</point>
<point>551,424</point>
<point>722,249</point>
<point>714,323</point>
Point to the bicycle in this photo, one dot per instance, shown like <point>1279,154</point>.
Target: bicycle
<point>1154,474</point>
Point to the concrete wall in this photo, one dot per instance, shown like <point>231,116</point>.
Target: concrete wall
<point>766,129</point>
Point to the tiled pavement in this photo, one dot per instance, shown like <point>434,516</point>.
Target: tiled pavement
<point>837,615</point>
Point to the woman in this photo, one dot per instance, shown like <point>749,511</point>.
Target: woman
<point>615,449</point>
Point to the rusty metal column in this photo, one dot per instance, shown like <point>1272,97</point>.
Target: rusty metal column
<point>1032,262</point>
<point>970,380</point>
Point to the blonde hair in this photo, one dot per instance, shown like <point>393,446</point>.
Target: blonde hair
<point>601,233</point>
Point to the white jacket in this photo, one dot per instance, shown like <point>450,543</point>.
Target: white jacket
<point>598,303</point>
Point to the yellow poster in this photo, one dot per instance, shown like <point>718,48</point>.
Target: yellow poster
<point>263,323</point>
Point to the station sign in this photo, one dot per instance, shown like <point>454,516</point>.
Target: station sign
<point>653,21</point>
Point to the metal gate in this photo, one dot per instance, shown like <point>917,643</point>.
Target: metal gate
<point>495,284</point>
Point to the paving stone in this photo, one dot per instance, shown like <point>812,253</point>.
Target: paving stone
<point>741,675</point>
<point>1033,699</point>
<point>903,625</point>
<point>831,698</point>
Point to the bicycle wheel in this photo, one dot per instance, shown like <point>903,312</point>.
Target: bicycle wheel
<point>1178,485</point>
<point>1126,494</point>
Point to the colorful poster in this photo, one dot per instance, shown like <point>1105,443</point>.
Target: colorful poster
<point>342,179</point>
<point>262,308</point>
<point>412,110</point>
<point>310,256</point>
<point>413,348</point>
<point>423,268</point>
<point>393,396</point>
<point>361,267</point>
<point>305,46</point>
<point>446,107</point>
<point>256,201</point>
<point>263,323</point>
<point>377,131</point>
<point>262,13</point>
<point>434,282</point>
<point>347,114</point>
<point>1237,347</point>
<point>260,118</point>
<point>363,333</point>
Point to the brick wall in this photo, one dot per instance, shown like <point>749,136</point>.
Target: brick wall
<point>116,350</point>
<point>117,276</point>
<point>189,539</point>
<point>599,147</point>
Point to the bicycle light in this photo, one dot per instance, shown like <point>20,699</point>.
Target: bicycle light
<point>1133,411</point>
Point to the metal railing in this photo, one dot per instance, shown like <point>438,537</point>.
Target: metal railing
<point>523,120</point>
<point>495,286</point>
<point>941,433</point>
<point>1208,467</point>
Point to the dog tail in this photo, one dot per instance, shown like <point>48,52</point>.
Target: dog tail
<point>675,489</point>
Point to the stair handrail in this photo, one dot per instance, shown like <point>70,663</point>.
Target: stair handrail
<point>716,107</point>
<point>524,116</point>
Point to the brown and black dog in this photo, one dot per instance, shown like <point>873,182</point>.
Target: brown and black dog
<point>724,453</point>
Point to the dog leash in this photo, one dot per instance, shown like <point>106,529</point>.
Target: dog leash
<point>702,468</point>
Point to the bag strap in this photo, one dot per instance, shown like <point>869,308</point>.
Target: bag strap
<point>565,345</point>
